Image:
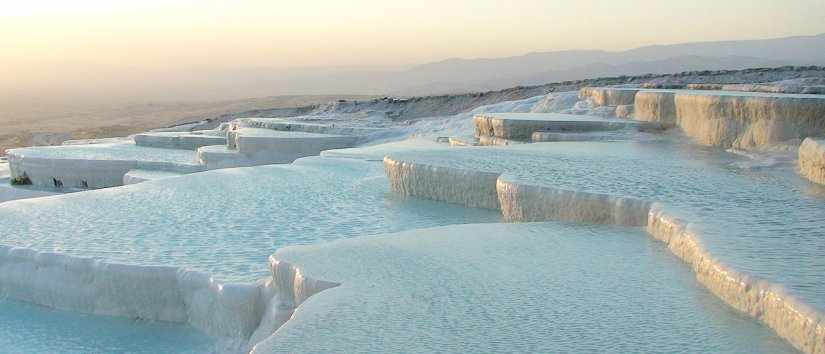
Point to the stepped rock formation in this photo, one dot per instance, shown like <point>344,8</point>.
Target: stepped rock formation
<point>655,107</point>
<point>796,322</point>
<point>524,126</point>
<point>240,313</point>
<point>478,182</point>
<point>245,142</point>
<point>608,97</point>
<point>742,120</point>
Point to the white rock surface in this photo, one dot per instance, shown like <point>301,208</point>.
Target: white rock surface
<point>285,125</point>
<point>742,120</point>
<point>507,288</point>
<point>453,185</point>
<point>531,202</point>
<point>555,102</point>
<point>607,97</point>
<point>186,140</point>
<point>220,156</point>
<point>259,146</point>
<point>251,313</point>
<point>551,136</point>
<point>655,106</point>
<point>521,126</point>
<point>97,141</point>
<point>518,200</point>
<point>812,160</point>
<point>748,121</point>
<point>239,313</point>
<point>9,192</point>
<point>94,166</point>
<point>255,141</point>
<point>624,111</point>
<point>138,176</point>
<point>797,323</point>
<point>463,141</point>
<point>808,85</point>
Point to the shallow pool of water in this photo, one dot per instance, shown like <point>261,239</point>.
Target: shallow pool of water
<point>758,215</point>
<point>510,288</point>
<point>27,328</point>
<point>225,222</point>
<point>110,151</point>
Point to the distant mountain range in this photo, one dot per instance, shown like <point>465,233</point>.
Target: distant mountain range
<point>446,76</point>
<point>485,74</point>
<point>467,75</point>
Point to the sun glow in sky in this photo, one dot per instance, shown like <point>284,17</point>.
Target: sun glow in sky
<point>51,41</point>
<point>368,32</point>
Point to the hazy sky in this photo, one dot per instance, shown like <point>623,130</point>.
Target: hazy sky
<point>43,38</point>
<point>275,33</point>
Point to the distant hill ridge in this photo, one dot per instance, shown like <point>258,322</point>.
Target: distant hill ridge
<point>455,75</point>
<point>450,76</point>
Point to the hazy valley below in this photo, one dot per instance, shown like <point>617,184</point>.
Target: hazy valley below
<point>48,123</point>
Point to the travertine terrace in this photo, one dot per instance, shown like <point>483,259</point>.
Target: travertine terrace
<point>248,142</point>
<point>485,197</point>
<point>743,120</point>
<point>522,126</point>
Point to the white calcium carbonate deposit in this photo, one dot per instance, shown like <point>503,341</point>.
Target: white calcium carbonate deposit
<point>541,282</point>
<point>519,200</point>
<point>812,159</point>
<point>743,120</point>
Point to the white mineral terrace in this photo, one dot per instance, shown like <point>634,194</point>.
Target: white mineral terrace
<point>247,142</point>
<point>233,312</point>
<point>432,245</point>
<point>140,252</point>
<point>563,181</point>
<point>480,141</point>
<point>96,165</point>
<point>601,96</point>
<point>743,120</point>
<point>260,146</point>
<point>522,126</point>
<point>138,176</point>
<point>285,125</point>
<point>812,159</point>
<point>181,140</point>
<point>507,288</point>
<point>10,192</point>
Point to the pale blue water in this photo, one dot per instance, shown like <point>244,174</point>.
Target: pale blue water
<point>111,151</point>
<point>511,288</point>
<point>756,216</point>
<point>26,328</point>
<point>225,222</point>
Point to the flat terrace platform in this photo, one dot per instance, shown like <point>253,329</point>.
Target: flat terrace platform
<point>521,126</point>
<point>752,234</point>
<point>763,221</point>
<point>742,120</point>
<point>547,287</point>
<point>96,165</point>
<point>181,140</point>
<point>260,146</point>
